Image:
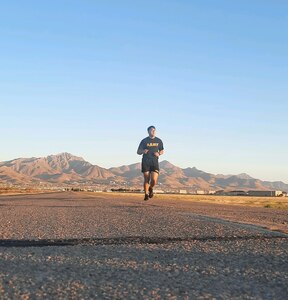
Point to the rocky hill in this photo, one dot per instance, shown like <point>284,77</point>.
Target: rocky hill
<point>68,169</point>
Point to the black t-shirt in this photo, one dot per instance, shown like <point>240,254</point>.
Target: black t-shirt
<point>153,145</point>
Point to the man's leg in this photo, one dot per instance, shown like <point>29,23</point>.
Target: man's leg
<point>146,182</point>
<point>154,178</point>
<point>153,181</point>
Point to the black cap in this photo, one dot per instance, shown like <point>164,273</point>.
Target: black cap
<point>150,127</point>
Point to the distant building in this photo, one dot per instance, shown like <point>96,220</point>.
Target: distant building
<point>200,192</point>
<point>158,191</point>
<point>265,193</point>
<point>236,193</point>
<point>220,192</point>
<point>183,192</point>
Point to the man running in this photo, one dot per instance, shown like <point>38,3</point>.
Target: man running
<point>151,147</point>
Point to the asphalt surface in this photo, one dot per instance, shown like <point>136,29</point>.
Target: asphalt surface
<point>97,246</point>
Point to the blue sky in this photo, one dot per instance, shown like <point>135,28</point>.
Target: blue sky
<point>88,77</point>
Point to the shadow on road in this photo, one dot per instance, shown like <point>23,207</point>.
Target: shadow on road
<point>127,240</point>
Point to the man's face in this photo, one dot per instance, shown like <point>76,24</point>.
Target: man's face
<point>152,132</point>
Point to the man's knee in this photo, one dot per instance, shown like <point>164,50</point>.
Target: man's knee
<point>146,178</point>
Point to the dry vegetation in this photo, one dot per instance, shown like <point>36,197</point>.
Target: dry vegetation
<point>19,191</point>
<point>267,202</point>
<point>273,202</point>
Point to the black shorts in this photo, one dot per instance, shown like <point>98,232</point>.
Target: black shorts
<point>150,164</point>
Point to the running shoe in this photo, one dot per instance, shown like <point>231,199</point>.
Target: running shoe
<point>146,197</point>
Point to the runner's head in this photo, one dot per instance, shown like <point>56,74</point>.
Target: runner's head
<point>152,131</point>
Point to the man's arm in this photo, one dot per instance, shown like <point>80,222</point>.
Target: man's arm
<point>141,149</point>
<point>161,148</point>
<point>159,153</point>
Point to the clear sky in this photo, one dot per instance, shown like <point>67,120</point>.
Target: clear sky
<point>88,77</point>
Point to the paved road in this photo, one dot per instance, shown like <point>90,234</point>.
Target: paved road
<point>85,246</point>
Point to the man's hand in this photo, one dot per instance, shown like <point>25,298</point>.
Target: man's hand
<point>145,151</point>
<point>157,154</point>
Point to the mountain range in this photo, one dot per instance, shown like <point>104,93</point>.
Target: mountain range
<point>67,169</point>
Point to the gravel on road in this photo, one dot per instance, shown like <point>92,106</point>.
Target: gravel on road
<point>76,246</point>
